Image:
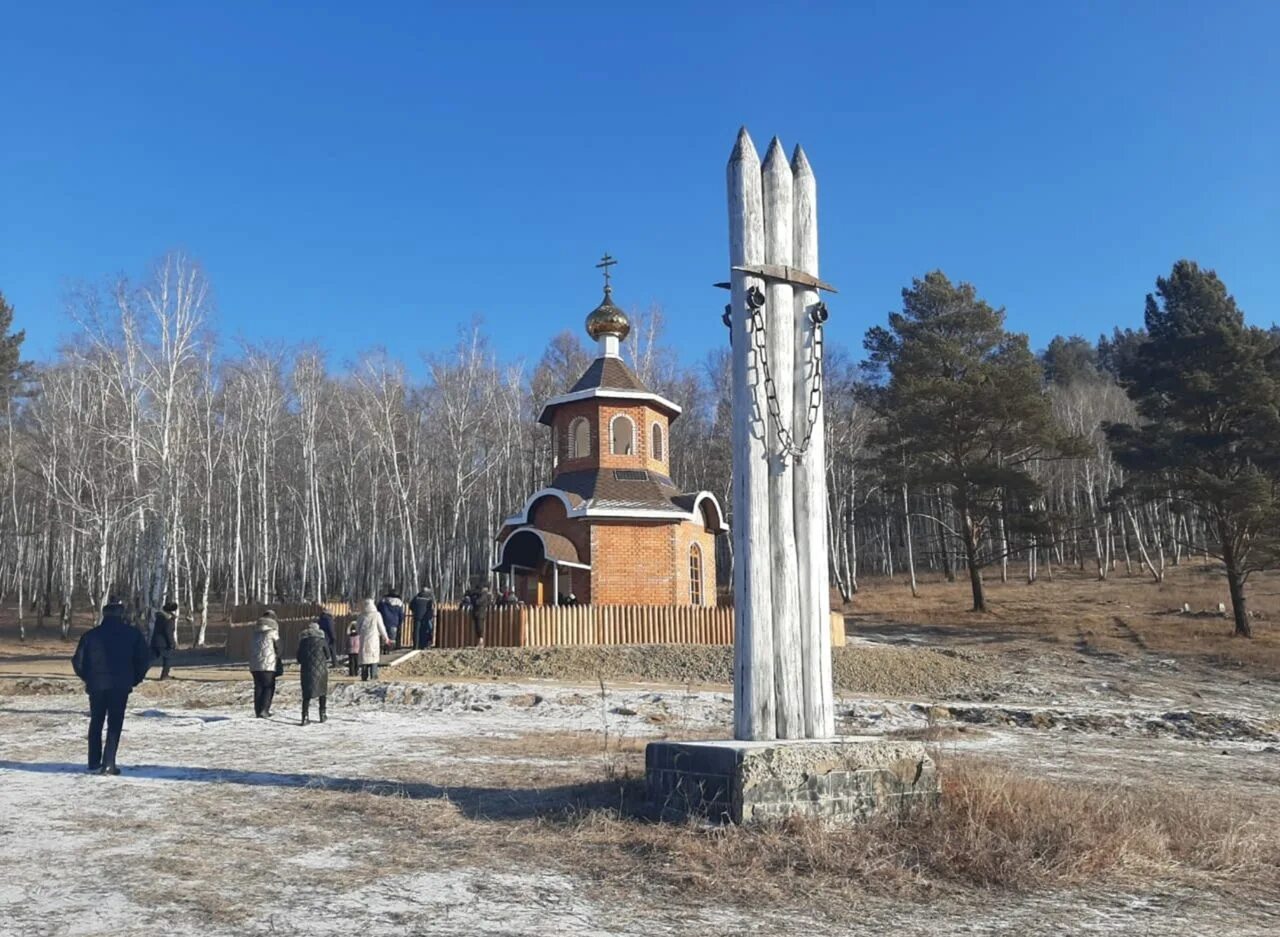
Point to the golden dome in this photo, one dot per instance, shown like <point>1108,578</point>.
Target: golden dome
<point>608,319</point>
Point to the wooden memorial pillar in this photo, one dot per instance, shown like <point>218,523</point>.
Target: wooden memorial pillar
<point>782,641</point>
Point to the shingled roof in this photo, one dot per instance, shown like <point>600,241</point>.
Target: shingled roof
<point>608,376</point>
<point>603,488</point>
<point>528,547</point>
<point>611,374</point>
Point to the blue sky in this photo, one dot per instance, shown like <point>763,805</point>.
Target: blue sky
<point>378,173</point>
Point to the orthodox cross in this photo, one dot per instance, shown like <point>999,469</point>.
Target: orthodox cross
<point>605,263</point>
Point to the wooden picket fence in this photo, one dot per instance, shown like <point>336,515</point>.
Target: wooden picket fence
<point>293,611</point>
<point>540,626</point>
<point>293,619</point>
<point>581,625</point>
<point>240,636</point>
<point>587,625</point>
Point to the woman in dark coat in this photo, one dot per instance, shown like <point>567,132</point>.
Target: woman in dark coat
<point>480,613</point>
<point>313,665</point>
<point>164,636</point>
<point>325,621</point>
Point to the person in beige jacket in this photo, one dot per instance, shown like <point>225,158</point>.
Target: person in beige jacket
<point>265,662</point>
<point>373,635</point>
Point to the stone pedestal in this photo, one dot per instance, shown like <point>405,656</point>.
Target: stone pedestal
<point>842,779</point>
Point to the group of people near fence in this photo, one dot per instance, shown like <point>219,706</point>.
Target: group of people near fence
<point>476,602</point>
<point>114,657</point>
<point>375,628</point>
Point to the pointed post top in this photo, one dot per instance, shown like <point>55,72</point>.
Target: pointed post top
<point>743,149</point>
<point>775,160</point>
<point>800,162</point>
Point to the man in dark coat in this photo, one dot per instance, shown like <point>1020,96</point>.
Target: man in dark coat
<point>391,608</point>
<point>423,608</point>
<point>480,612</point>
<point>111,659</point>
<point>164,636</point>
<point>325,621</point>
<point>313,665</point>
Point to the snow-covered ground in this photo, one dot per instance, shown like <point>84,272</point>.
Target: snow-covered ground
<point>227,825</point>
<point>205,782</point>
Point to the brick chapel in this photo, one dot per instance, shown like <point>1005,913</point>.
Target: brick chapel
<point>612,528</point>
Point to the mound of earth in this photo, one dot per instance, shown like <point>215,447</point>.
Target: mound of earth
<point>33,686</point>
<point>881,671</point>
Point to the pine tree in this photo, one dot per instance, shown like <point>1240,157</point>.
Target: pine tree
<point>1068,360</point>
<point>1207,388</point>
<point>1120,350</point>
<point>14,372</point>
<point>964,408</point>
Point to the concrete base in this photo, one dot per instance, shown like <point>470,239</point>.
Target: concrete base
<point>841,779</point>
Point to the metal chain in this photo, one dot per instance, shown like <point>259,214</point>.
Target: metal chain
<point>786,442</point>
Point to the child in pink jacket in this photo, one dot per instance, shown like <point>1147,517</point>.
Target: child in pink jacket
<point>353,650</point>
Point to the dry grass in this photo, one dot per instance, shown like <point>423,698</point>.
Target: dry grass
<point>1121,615</point>
<point>996,829</point>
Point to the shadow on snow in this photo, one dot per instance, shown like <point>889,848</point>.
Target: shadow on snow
<point>143,714</point>
<point>477,803</point>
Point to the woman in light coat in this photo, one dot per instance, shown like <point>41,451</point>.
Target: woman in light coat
<point>264,662</point>
<point>373,635</point>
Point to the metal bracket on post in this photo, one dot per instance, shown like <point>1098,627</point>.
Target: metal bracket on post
<point>782,274</point>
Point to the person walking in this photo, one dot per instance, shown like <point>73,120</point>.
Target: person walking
<point>480,606</point>
<point>111,659</point>
<point>373,635</point>
<point>325,622</point>
<point>423,609</point>
<point>313,667</point>
<point>353,649</point>
<point>164,636</point>
<point>391,608</point>
<point>265,663</point>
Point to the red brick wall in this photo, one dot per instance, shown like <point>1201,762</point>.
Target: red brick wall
<point>566,415</point>
<point>641,417</point>
<point>651,463</point>
<point>637,562</point>
<point>688,534</point>
<point>599,414</point>
<point>631,562</point>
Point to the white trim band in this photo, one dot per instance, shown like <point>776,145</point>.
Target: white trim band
<point>609,393</point>
<point>522,521</point>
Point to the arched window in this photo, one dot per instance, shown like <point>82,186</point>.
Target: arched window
<point>695,574</point>
<point>655,435</point>
<point>579,438</point>
<point>622,433</point>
